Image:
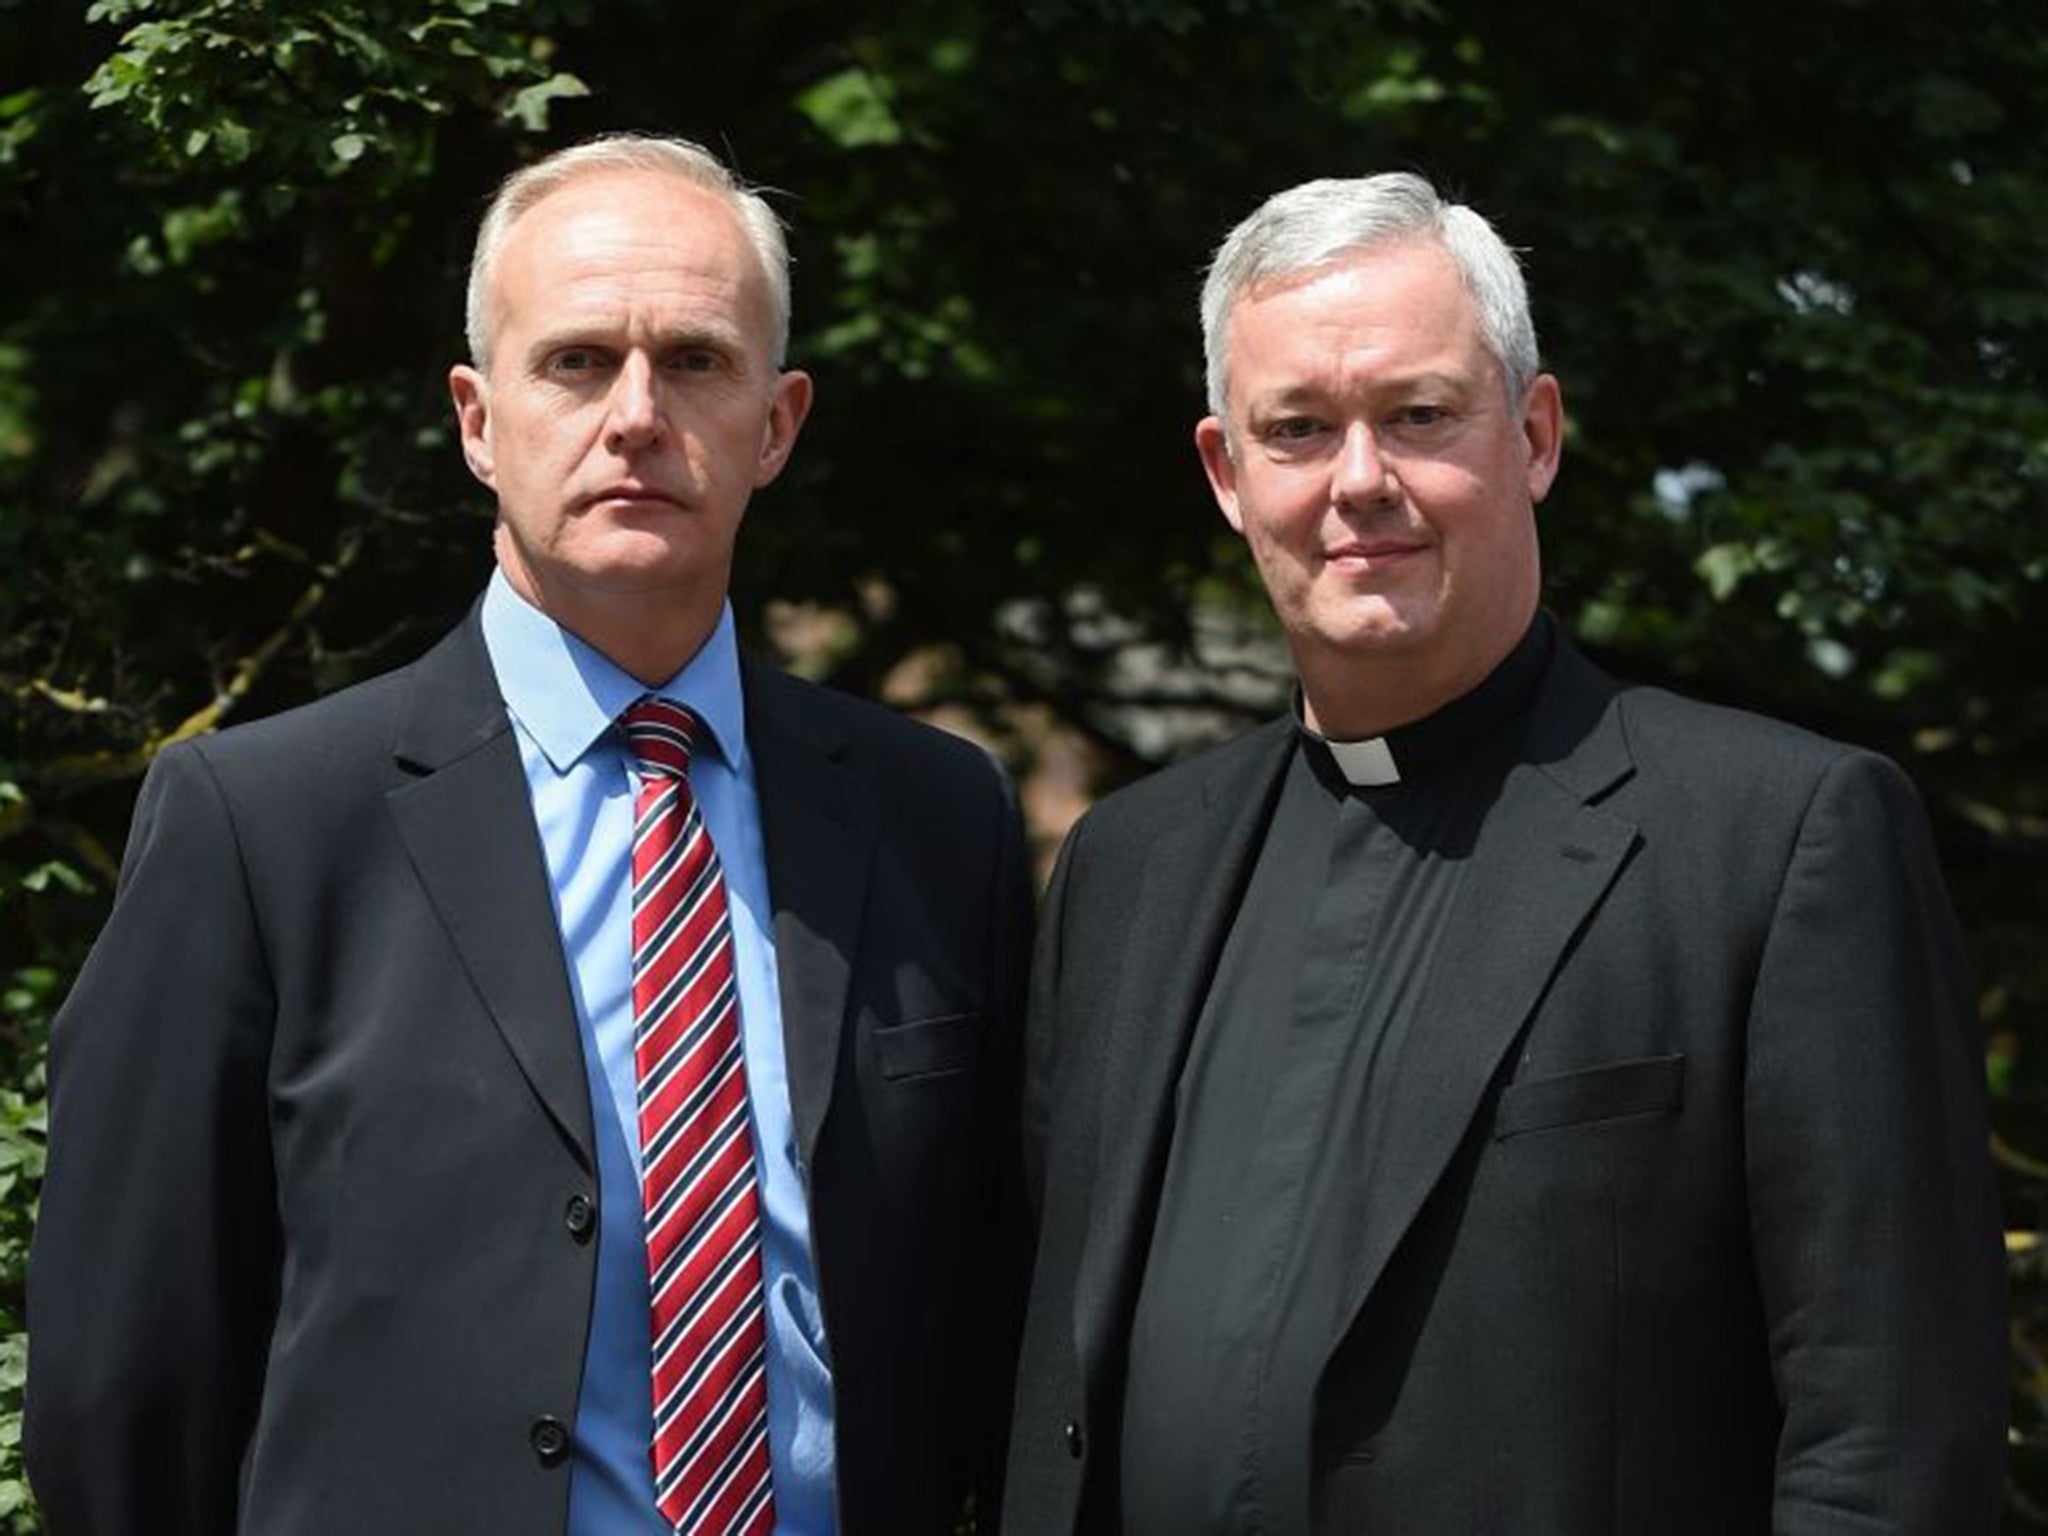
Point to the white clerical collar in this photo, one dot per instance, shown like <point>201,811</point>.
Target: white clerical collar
<point>1369,763</point>
<point>1452,731</point>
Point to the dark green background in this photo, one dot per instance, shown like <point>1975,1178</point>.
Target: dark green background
<point>1790,260</point>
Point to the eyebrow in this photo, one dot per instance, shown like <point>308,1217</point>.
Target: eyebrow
<point>600,333</point>
<point>1292,395</point>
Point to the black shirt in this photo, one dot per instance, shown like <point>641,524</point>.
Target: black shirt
<point>1246,1285</point>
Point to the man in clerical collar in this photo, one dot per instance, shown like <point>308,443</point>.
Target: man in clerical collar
<point>1494,1099</point>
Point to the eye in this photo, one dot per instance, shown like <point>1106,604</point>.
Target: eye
<point>576,362</point>
<point>695,360</point>
<point>1421,415</point>
<point>1292,430</point>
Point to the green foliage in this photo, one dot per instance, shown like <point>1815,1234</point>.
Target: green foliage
<point>222,85</point>
<point>1786,260</point>
<point>850,109</point>
<point>28,995</point>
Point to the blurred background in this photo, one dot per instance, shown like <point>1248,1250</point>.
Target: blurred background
<point>1790,260</point>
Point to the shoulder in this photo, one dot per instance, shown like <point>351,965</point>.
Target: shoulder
<point>349,740</point>
<point>1131,817</point>
<point>1713,764</point>
<point>1585,713</point>
<point>1674,726</point>
<point>1582,710</point>
<point>1711,749</point>
<point>307,779</point>
<point>894,749</point>
<point>364,714</point>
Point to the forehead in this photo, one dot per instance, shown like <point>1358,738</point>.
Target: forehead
<point>1398,307</point>
<point>615,240</point>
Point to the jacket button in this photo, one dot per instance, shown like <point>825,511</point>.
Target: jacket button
<point>580,1217</point>
<point>1075,1444</point>
<point>550,1440</point>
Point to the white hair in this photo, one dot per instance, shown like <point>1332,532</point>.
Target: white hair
<point>1322,222</point>
<point>690,161</point>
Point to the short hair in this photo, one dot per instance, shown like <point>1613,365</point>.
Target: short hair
<point>1322,222</point>
<point>679,157</point>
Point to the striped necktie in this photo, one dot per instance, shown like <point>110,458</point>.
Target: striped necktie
<point>710,1447</point>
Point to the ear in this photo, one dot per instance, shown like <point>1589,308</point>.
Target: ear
<point>1543,431</point>
<point>788,405</point>
<point>471,392</point>
<point>1212,442</point>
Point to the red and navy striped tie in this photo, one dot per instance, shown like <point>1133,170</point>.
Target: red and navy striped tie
<point>710,1448</point>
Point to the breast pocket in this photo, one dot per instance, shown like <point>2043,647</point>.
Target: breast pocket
<point>1649,1085</point>
<point>925,1048</point>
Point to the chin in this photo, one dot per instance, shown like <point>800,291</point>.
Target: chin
<point>659,556</point>
<point>1366,628</point>
<point>672,579</point>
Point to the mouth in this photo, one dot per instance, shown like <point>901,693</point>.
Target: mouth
<point>1374,554</point>
<point>632,494</point>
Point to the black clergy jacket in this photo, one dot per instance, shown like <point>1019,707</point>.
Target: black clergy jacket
<point>314,1255</point>
<point>1680,1218</point>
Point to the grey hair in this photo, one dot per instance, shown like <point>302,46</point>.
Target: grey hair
<point>690,161</point>
<point>1322,222</point>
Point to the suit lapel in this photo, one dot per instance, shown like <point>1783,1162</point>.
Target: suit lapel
<point>1172,945</point>
<point>818,821</point>
<point>1543,862</point>
<point>466,819</point>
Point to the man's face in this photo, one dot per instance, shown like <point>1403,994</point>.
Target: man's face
<point>632,404</point>
<point>1371,461</point>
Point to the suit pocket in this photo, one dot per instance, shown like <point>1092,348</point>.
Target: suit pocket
<point>927,1047</point>
<point>1651,1085</point>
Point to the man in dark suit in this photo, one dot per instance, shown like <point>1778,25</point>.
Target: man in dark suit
<point>430,1016</point>
<point>1495,1099</point>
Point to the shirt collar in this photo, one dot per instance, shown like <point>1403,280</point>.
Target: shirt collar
<point>1448,734</point>
<point>566,693</point>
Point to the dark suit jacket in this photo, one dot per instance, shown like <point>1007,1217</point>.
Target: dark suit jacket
<point>1680,1219</point>
<point>314,1252</point>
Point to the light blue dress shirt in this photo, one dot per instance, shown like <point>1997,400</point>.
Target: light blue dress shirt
<point>563,697</point>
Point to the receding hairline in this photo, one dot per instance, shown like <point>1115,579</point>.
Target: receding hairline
<point>494,305</point>
<point>616,157</point>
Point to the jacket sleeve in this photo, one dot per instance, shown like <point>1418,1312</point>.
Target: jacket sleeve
<point>1874,1219</point>
<point>153,1270</point>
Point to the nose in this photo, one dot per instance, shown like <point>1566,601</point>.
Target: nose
<point>635,420</point>
<point>1362,476</point>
